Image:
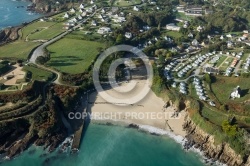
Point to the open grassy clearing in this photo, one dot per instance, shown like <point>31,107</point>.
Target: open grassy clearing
<point>18,49</point>
<point>183,16</point>
<point>35,73</point>
<point>215,117</point>
<point>73,55</point>
<point>31,28</point>
<point>126,3</point>
<point>48,33</point>
<point>221,60</point>
<point>172,34</point>
<point>224,86</point>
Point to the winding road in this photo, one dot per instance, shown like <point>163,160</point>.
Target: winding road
<point>39,51</point>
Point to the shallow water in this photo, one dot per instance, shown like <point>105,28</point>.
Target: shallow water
<point>115,145</point>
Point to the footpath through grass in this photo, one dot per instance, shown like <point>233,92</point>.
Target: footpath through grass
<point>73,55</point>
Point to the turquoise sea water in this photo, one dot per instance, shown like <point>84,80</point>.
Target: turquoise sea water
<point>10,15</point>
<point>114,146</point>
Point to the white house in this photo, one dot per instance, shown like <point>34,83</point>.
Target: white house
<point>79,17</point>
<point>221,37</point>
<point>81,6</point>
<point>128,35</point>
<point>230,44</point>
<point>83,14</point>
<point>172,27</point>
<point>94,23</point>
<point>103,30</point>
<point>190,35</point>
<point>80,10</point>
<point>91,2</point>
<point>236,93</point>
<point>195,42</point>
<point>199,28</point>
<point>72,10</point>
<point>66,15</point>
<point>245,31</point>
<point>73,20</point>
<point>136,8</point>
<point>89,10</point>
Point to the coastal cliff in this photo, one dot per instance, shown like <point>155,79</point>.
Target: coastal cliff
<point>30,120</point>
<point>212,150</point>
<point>8,35</point>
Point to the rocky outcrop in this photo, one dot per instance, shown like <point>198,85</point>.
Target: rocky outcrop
<point>206,143</point>
<point>8,35</point>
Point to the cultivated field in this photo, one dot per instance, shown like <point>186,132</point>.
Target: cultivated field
<point>72,55</point>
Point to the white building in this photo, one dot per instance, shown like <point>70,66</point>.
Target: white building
<point>66,15</point>
<point>172,27</point>
<point>128,35</point>
<point>136,8</point>
<point>199,28</point>
<point>81,6</point>
<point>72,10</point>
<point>195,42</point>
<point>236,93</point>
<point>103,30</point>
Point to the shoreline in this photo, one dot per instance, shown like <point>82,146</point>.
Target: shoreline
<point>160,132</point>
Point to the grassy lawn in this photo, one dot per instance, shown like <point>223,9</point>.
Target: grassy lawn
<point>215,117</point>
<point>223,87</point>
<point>183,16</point>
<point>126,3</point>
<point>18,49</point>
<point>173,34</point>
<point>31,28</point>
<point>38,74</point>
<point>48,33</point>
<point>73,55</point>
<point>219,62</point>
<point>245,56</point>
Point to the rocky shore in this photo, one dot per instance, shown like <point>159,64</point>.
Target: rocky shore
<point>221,152</point>
<point>9,34</point>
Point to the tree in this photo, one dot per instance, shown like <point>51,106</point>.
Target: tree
<point>230,130</point>
<point>41,60</point>
<point>120,39</point>
<point>207,78</point>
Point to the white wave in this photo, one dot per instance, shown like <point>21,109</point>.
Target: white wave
<point>179,139</point>
<point>151,129</point>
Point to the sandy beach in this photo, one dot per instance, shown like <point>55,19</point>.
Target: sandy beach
<point>149,111</point>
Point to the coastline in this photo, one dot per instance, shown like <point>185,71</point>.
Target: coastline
<point>151,111</point>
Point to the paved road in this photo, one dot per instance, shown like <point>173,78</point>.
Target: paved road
<point>39,51</point>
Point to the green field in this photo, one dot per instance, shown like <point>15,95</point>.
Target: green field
<point>183,16</point>
<point>126,3</point>
<point>219,62</point>
<point>38,74</point>
<point>224,86</point>
<point>215,117</point>
<point>18,49</point>
<point>49,33</point>
<point>72,55</point>
<point>173,34</point>
<point>31,28</point>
